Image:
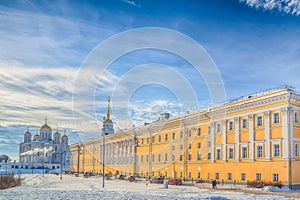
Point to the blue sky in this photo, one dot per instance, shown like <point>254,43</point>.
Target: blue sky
<point>254,44</point>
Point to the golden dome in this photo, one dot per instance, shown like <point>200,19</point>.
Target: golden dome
<point>108,120</point>
<point>45,127</point>
<point>64,137</point>
<point>36,137</point>
<point>57,133</point>
<point>27,132</point>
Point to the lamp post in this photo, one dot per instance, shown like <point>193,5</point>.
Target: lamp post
<point>103,161</point>
<point>32,161</point>
<point>43,159</point>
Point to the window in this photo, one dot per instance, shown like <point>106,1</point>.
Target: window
<point>218,127</point>
<point>173,136</point>
<point>259,121</point>
<point>208,156</point>
<point>158,157</point>
<point>190,133</point>
<point>244,152</point>
<point>190,146</point>
<point>217,176</point>
<point>296,117</point>
<point>244,123</point>
<point>218,154</point>
<point>142,158</point>
<point>147,158</point>
<point>230,153</point>
<point>181,147</point>
<point>153,138</point>
<point>198,174</point>
<point>198,145</point>
<point>143,141</point>
<point>159,138</point>
<point>275,177</point>
<point>243,176</point>
<point>209,130</point>
<point>258,176</point>
<point>173,157</point>
<point>275,118</point>
<point>166,137</point>
<point>198,155</point>
<point>276,150</point>
<point>153,158</point>
<point>190,156</point>
<point>199,132</point>
<point>259,151</point>
<point>229,176</point>
<point>297,150</point>
<point>166,157</point>
<point>181,134</point>
<point>147,140</point>
<point>208,144</point>
<point>189,174</point>
<point>230,125</point>
<point>180,157</point>
<point>173,147</point>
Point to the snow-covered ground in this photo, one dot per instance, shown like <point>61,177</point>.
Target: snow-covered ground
<point>51,187</point>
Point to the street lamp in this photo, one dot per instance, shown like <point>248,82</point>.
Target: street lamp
<point>103,160</point>
<point>32,161</point>
<point>43,158</point>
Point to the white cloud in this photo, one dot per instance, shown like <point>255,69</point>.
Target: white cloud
<point>132,3</point>
<point>284,6</point>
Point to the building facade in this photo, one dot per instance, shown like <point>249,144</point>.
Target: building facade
<point>44,150</point>
<point>255,137</point>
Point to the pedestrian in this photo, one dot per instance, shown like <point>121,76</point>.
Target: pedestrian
<point>214,184</point>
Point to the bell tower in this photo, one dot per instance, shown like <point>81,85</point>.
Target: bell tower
<point>108,127</point>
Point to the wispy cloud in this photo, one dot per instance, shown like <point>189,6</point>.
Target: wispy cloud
<point>283,6</point>
<point>132,3</point>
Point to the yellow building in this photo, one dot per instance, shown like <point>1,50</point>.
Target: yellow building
<point>255,137</point>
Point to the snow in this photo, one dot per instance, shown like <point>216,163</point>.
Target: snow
<point>51,187</point>
<point>276,189</point>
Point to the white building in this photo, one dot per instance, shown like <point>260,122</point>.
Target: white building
<point>43,151</point>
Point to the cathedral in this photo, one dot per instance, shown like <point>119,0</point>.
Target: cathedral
<point>45,150</point>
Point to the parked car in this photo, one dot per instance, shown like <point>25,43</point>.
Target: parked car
<point>156,180</point>
<point>87,174</point>
<point>131,178</point>
<point>121,177</point>
<point>175,181</point>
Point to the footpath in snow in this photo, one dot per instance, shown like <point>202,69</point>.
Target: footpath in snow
<point>71,187</point>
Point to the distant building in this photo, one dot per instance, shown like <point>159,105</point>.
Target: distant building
<point>252,138</point>
<point>43,151</point>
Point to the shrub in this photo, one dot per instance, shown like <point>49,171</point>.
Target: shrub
<point>9,181</point>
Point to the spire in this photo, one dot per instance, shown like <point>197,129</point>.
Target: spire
<point>108,111</point>
<point>46,120</point>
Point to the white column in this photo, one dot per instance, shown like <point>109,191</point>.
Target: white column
<point>285,134</point>
<point>267,134</point>
<point>251,137</point>
<point>212,143</point>
<point>291,127</point>
<point>224,141</point>
<point>237,139</point>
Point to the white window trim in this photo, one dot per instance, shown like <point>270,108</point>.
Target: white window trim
<point>262,120</point>
<point>273,117</point>
<point>296,113</point>
<point>229,125</point>
<point>230,147</point>
<point>243,123</point>
<point>273,152</point>
<point>244,146</point>
<point>220,153</point>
